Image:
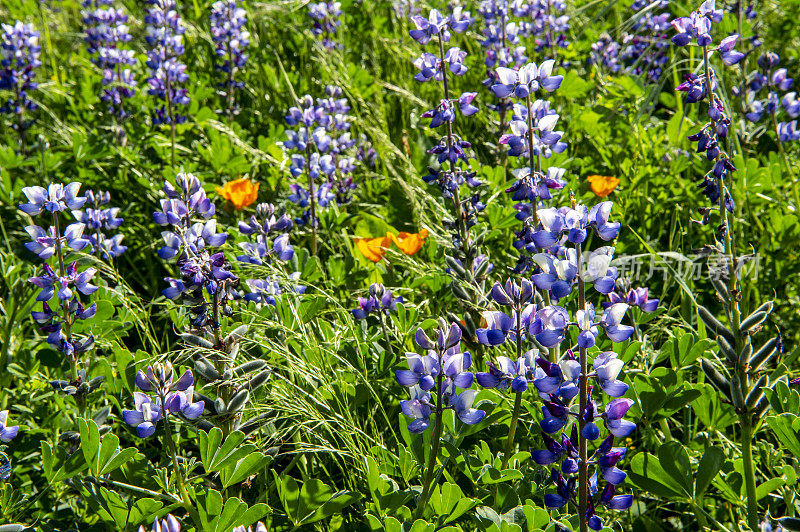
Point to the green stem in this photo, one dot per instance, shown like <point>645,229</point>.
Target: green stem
<point>433,458</point>
<point>186,501</point>
<point>512,428</point>
<point>749,472</point>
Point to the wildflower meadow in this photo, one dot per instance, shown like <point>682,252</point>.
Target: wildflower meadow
<point>399,265</point>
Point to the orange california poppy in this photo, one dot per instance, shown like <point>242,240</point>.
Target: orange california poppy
<point>410,243</point>
<point>603,185</point>
<point>373,248</point>
<point>240,192</point>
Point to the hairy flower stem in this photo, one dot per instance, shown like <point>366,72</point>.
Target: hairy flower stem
<point>173,453</point>
<point>386,337</point>
<point>746,434</point>
<point>512,428</point>
<point>312,201</point>
<point>460,216</point>
<point>583,461</point>
<point>434,456</point>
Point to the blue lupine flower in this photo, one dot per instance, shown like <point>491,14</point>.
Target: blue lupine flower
<point>7,433</point>
<point>422,371</point>
<point>556,415</point>
<point>106,35</point>
<point>380,299</point>
<point>19,59</point>
<point>168,524</point>
<point>565,490</point>
<point>419,408</point>
<point>231,40</point>
<point>527,80</point>
<point>615,411</point>
<point>96,220</point>
<point>55,198</point>
<point>505,374</point>
<point>170,398</point>
<point>462,405</point>
<point>167,73</point>
<point>326,17</point>
<point>606,369</point>
<point>44,242</point>
<point>694,27</point>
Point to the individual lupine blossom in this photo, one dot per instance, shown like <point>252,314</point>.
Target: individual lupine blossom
<point>168,524</point>
<point>268,240</point>
<point>776,82</point>
<point>379,299</point>
<point>633,297</point>
<point>165,40</point>
<point>106,35</point>
<point>231,40</point>
<point>19,59</point>
<point>167,398</point>
<point>321,148</point>
<point>7,433</point>
<point>444,370</point>
<point>67,285</point>
<point>326,17</point>
<point>98,219</point>
<point>710,138</point>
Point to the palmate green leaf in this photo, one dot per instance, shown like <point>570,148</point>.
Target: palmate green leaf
<point>216,457</point>
<point>243,468</point>
<point>646,473</point>
<point>449,501</point>
<point>783,428</point>
<point>709,466</point>
<point>58,467</point>
<point>674,459</point>
<point>103,456</point>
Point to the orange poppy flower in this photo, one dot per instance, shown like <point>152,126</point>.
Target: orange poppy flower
<point>602,185</point>
<point>373,248</point>
<point>410,243</point>
<point>240,192</point>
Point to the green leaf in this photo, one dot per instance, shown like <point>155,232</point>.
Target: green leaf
<point>710,464</point>
<point>90,441</point>
<point>646,472</point>
<point>768,486</point>
<point>247,466</point>
<point>782,427</point>
<point>674,459</point>
<point>216,457</point>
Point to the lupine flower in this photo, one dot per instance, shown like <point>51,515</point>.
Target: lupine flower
<point>106,35</point>
<point>165,38</point>
<point>602,186</point>
<point>44,243</point>
<point>7,433</point>
<point>231,41</point>
<point>19,59</point>
<point>170,398</point>
<point>419,408</point>
<point>606,369</point>
<point>527,80</point>
<point>54,198</point>
<point>446,366</point>
<point>506,374</point>
<point>240,192</point>
<point>634,297</point>
<point>326,21</point>
<point>168,524</point>
<point>380,300</point>
<point>259,528</point>
<point>97,219</point>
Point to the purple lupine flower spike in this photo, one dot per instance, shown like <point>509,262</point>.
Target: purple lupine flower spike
<point>231,40</point>
<point>19,56</point>
<point>165,31</point>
